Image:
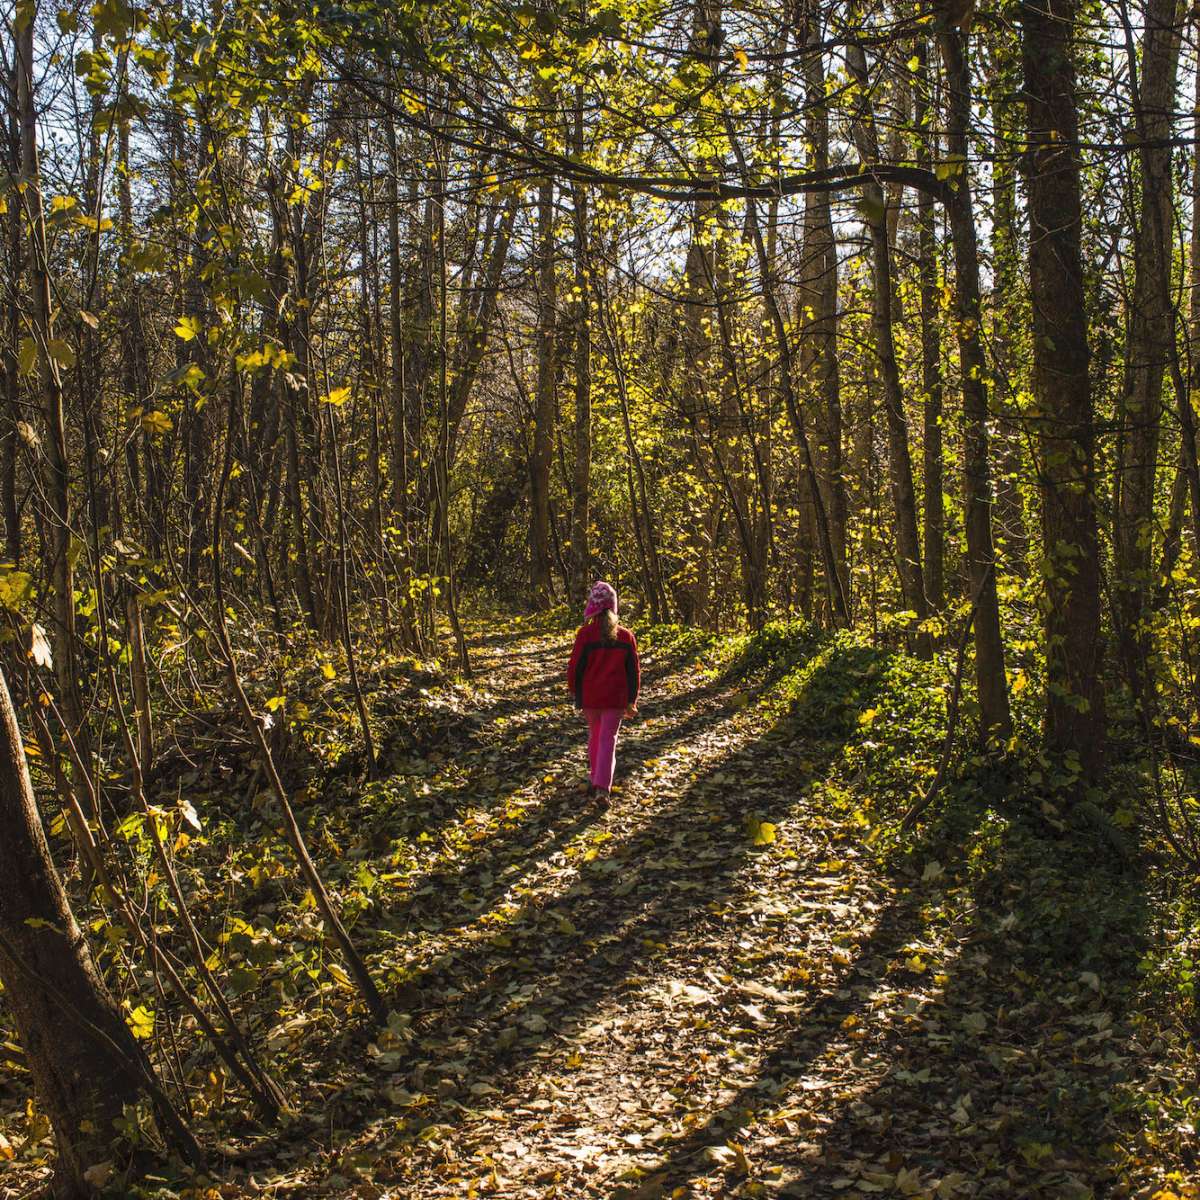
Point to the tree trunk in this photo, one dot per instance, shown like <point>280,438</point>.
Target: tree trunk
<point>1184,389</point>
<point>933,513</point>
<point>977,495</point>
<point>1150,340</point>
<point>51,353</point>
<point>581,489</point>
<point>819,301</point>
<point>1011,522</point>
<point>476,317</point>
<point>904,501</point>
<point>401,451</point>
<point>1062,413</point>
<point>86,1067</point>
<point>14,270</point>
<point>543,422</point>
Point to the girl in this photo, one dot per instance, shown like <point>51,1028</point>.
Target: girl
<point>604,676</point>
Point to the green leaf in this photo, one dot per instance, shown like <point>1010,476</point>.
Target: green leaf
<point>16,587</point>
<point>61,352</point>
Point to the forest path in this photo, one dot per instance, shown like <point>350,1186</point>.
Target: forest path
<point>644,1002</point>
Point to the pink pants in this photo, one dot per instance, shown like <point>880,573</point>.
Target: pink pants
<point>603,724</point>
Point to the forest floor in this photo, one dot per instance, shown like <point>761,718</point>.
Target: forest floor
<point>722,985</point>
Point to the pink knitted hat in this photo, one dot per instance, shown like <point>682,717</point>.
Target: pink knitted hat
<point>603,595</point>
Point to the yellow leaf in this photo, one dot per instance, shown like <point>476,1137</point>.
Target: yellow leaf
<point>338,396</point>
<point>141,1022</point>
<point>156,421</point>
<point>328,671</point>
<point>15,588</point>
<point>762,833</point>
<point>187,328</point>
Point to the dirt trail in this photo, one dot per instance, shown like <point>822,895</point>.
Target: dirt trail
<point>645,1002</point>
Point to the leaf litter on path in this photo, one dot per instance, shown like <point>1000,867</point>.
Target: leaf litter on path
<point>706,989</point>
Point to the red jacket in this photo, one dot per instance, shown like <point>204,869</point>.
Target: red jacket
<point>604,674</point>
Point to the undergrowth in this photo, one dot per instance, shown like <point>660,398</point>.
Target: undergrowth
<point>1001,857</point>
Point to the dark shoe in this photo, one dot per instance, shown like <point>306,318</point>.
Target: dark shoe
<point>602,798</point>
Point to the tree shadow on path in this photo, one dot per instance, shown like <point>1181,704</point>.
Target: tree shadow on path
<point>980,1037</point>
<point>625,909</point>
<point>529,829</point>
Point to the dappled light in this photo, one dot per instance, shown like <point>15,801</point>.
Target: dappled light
<point>599,601</point>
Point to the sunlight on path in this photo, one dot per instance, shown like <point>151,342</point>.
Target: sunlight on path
<point>594,1030</point>
<point>658,1000</point>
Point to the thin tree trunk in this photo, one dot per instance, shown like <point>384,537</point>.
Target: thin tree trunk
<point>543,422</point>
<point>401,448</point>
<point>582,482</point>
<point>933,514</point>
<point>1011,521</point>
<point>334,926</point>
<point>838,603</point>
<point>904,501</point>
<point>14,270</point>
<point>1150,340</point>
<point>50,354</point>
<point>990,680</point>
<point>819,293</point>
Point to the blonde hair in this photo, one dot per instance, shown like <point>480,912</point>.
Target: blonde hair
<point>607,620</point>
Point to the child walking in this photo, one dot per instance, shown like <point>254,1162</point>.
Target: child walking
<point>604,676</point>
